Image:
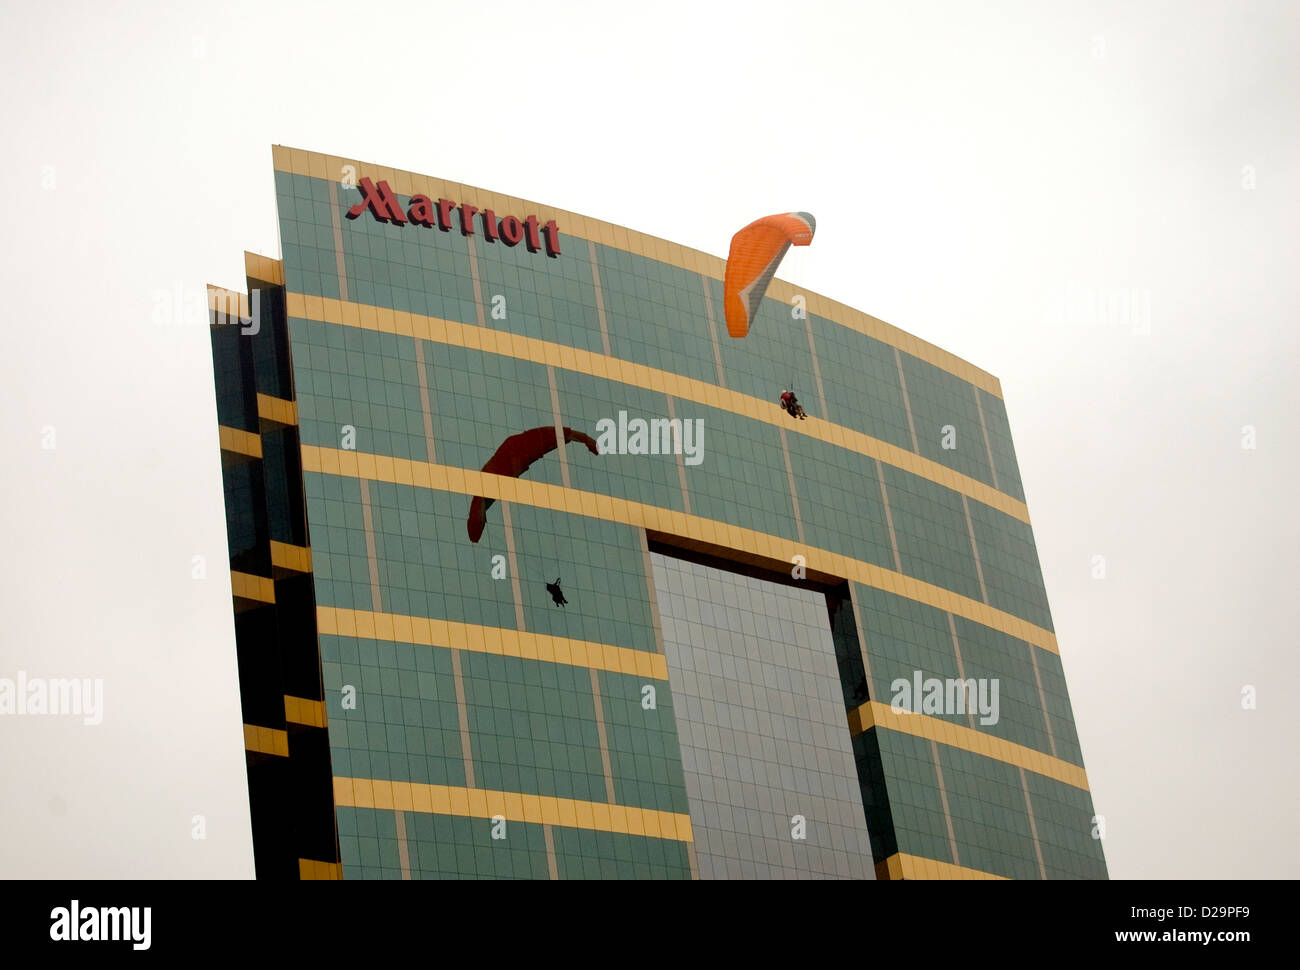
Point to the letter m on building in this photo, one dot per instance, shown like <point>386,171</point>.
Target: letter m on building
<point>379,200</point>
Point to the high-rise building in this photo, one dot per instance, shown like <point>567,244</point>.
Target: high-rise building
<point>534,578</point>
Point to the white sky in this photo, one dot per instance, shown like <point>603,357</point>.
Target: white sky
<point>977,171</point>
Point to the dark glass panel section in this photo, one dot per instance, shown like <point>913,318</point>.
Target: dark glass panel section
<point>270,345</point>
<point>875,795</point>
<point>312,789</point>
<point>848,654</point>
<point>295,605</point>
<point>282,469</point>
<point>261,684</point>
<point>246,529</point>
<point>270,785</point>
<point>232,371</point>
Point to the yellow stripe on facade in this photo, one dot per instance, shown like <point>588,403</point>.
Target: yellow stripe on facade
<point>395,627</point>
<point>481,803</point>
<point>277,409</point>
<point>314,165</point>
<point>875,714</point>
<point>264,269</point>
<point>419,474</point>
<point>472,337</point>
<point>314,869</point>
<point>903,866</point>
<point>246,586</point>
<point>287,556</point>
<point>266,740</point>
<point>301,710</point>
<point>240,442</point>
<point>228,302</point>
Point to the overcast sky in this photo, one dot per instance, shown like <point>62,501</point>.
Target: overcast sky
<point>1098,203</point>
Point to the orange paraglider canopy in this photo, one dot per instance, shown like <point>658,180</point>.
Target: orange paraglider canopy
<point>756,251</point>
<point>512,457</point>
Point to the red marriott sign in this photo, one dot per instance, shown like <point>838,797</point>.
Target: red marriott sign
<point>423,211</point>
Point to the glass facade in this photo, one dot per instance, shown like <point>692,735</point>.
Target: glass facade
<point>729,615</point>
<point>768,763</point>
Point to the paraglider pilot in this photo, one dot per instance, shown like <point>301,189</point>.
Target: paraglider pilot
<point>556,593</point>
<point>791,405</point>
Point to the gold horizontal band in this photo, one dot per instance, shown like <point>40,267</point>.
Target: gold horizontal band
<point>246,586</point>
<point>329,167</point>
<point>473,337</point>
<point>284,555</point>
<point>397,628</point>
<point>314,869</point>
<point>514,806</point>
<point>266,740</point>
<point>420,474</point>
<point>875,714</point>
<point>239,441</point>
<point>276,409</point>
<point>903,866</point>
<point>263,269</point>
<point>228,302</point>
<point>302,710</point>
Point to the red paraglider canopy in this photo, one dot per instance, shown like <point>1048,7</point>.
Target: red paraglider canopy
<point>513,458</point>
